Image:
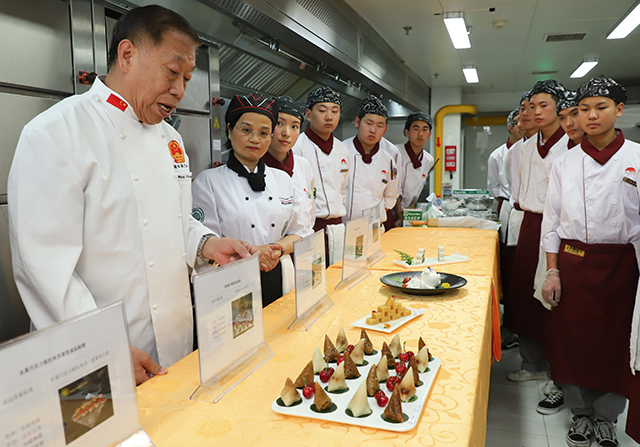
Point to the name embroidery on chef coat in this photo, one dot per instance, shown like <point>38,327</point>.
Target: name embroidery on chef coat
<point>573,251</point>
<point>629,175</point>
<point>286,200</point>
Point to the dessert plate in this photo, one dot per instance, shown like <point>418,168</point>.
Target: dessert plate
<point>396,279</point>
<point>393,324</point>
<point>412,410</point>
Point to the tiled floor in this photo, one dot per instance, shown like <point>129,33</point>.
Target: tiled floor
<point>512,420</point>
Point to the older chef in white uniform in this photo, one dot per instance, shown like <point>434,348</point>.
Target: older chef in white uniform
<point>247,199</point>
<point>100,199</point>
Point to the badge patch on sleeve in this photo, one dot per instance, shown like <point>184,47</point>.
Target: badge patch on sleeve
<point>573,251</point>
<point>198,214</point>
<point>176,151</point>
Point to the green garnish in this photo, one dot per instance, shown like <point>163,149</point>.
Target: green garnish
<point>404,257</point>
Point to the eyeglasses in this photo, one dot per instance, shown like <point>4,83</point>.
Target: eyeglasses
<point>246,131</point>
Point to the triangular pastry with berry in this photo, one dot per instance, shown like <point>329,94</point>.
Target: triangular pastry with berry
<point>306,376</point>
<point>393,411</point>
<point>289,394</point>
<point>331,354</point>
<point>321,399</point>
<point>372,382</point>
<point>357,355</point>
<point>395,346</point>
<point>350,368</point>
<point>407,386</point>
<point>359,404</point>
<point>368,346</point>
<point>341,341</point>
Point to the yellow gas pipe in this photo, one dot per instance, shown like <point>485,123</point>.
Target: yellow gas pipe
<point>437,180</point>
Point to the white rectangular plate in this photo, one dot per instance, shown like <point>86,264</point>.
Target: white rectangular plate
<point>393,324</point>
<point>412,409</point>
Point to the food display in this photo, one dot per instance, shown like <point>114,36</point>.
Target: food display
<point>391,310</point>
<point>368,395</point>
<point>89,411</point>
<point>428,279</point>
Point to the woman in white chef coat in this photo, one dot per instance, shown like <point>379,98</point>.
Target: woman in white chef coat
<point>279,156</point>
<point>247,199</point>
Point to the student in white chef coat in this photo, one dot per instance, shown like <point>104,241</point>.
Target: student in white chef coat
<point>248,200</point>
<point>372,180</point>
<point>415,162</point>
<point>497,177</point>
<point>591,217</point>
<point>100,194</point>
<point>329,160</point>
<point>570,118</point>
<point>525,313</point>
<point>279,156</point>
<point>392,150</point>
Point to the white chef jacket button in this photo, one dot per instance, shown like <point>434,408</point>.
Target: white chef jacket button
<point>145,222</point>
<point>179,215</point>
<point>614,201</point>
<point>136,178</point>
<point>591,224</point>
<point>164,136</point>
<point>614,223</point>
<point>186,294</point>
<point>589,202</point>
<point>151,264</point>
<point>253,226</point>
<point>589,180</point>
<point>615,179</point>
<point>123,136</point>
<point>615,157</point>
<point>155,306</point>
<point>97,98</point>
<point>184,255</point>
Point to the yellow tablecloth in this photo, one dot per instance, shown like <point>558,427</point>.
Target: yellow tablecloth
<point>457,327</point>
<point>482,247</point>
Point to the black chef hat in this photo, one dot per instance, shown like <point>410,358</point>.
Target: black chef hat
<point>286,104</point>
<point>568,100</point>
<point>525,97</point>
<point>550,86</point>
<point>372,105</point>
<point>323,94</point>
<point>418,116</point>
<point>255,103</point>
<point>512,117</point>
<point>606,87</point>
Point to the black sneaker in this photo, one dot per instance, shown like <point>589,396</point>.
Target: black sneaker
<point>510,343</point>
<point>605,432</point>
<point>579,434</point>
<point>552,403</point>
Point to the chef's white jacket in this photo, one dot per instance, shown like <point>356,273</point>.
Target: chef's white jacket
<point>330,173</point>
<point>99,211</point>
<point>530,172</point>
<point>303,183</point>
<point>497,168</point>
<point>411,180</point>
<point>224,202</point>
<point>370,184</point>
<point>591,202</point>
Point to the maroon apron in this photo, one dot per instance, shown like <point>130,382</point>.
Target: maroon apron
<point>525,313</point>
<point>587,334</point>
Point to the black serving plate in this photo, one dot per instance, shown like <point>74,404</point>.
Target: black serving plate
<point>395,280</point>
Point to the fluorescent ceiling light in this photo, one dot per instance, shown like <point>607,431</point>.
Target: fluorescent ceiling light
<point>454,21</point>
<point>584,69</point>
<point>627,25</point>
<point>471,75</point>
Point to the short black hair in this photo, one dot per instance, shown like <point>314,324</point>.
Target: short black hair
<point>151,21</point>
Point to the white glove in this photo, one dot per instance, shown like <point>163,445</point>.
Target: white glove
<point>551,287</point>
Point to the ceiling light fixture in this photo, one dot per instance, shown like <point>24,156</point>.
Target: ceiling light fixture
<point>470,74</point>
<point>628,24</point>
<point>457,28</point>
<point>584,68</point>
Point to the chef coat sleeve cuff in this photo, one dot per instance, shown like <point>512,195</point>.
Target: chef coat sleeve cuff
<point>196,231</point>
<point>551,242</point>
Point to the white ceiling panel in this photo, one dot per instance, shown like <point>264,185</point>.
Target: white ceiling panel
<point>507,57</point>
